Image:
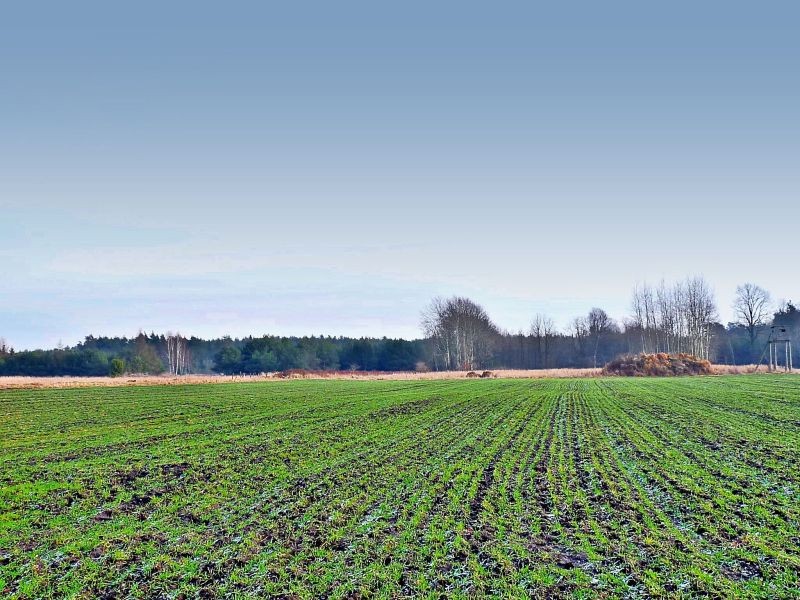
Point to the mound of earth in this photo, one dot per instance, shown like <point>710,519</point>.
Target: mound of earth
<point>658,365</point>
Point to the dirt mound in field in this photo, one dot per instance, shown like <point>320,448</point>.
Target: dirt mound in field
<point>658,365</point>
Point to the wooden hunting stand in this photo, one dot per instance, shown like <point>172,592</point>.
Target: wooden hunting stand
<point>778,344</point>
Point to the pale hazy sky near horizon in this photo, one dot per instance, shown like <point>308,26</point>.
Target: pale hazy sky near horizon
<point>326,168</point>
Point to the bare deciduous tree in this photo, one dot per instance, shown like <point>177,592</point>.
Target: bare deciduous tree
<point>644,317</point>
<point>580,330</point>
<point>461,331</point>
<point>700,312</point>
<point>598,323</point>
<point>751,307</point>
<point>543,330</point>
<point>177,354</point>
<point>676,318</point>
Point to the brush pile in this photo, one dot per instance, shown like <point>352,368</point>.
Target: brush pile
<point>658,365</point>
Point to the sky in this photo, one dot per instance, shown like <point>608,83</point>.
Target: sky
<point>329,167</point>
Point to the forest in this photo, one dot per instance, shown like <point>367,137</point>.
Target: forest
<point>458,334</point>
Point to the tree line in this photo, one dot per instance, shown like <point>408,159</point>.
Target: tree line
<point>175,354</point>
<point>672,317</point>
<point>458,335</point>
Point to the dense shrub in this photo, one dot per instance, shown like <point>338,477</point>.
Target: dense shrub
<point>117,367</point>
<point>658,365</point>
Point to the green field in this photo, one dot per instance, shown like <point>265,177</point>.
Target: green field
<point>464,488</point>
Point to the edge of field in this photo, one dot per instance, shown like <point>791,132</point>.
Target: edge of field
<point>133,380</point>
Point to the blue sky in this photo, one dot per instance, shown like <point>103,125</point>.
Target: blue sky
<point>310,167</point>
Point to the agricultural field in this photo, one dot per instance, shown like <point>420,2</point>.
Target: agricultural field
<point>582,488</point>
